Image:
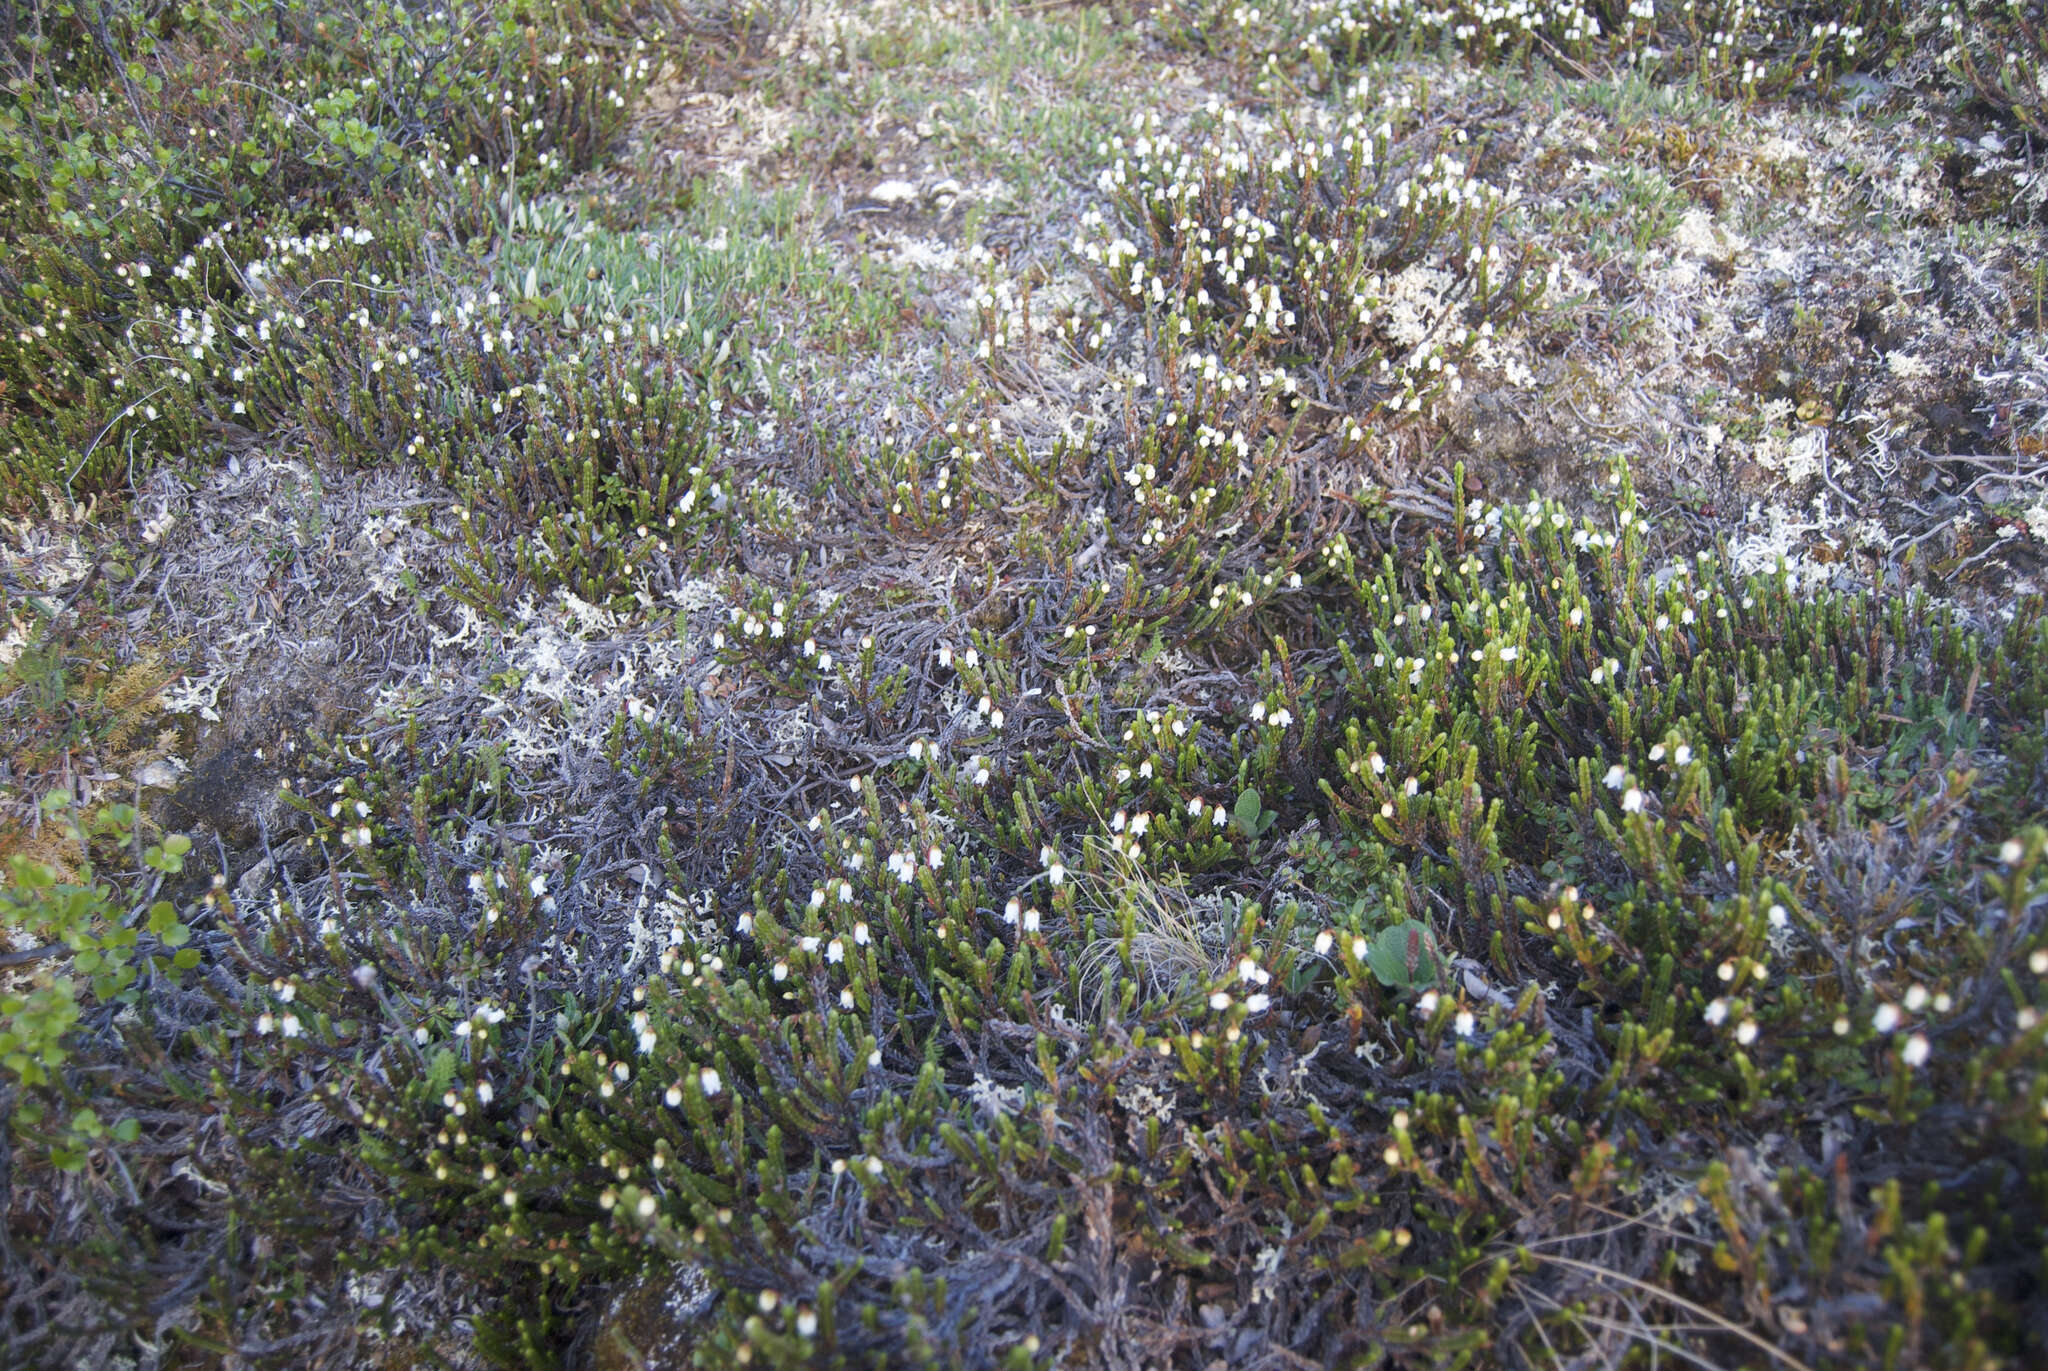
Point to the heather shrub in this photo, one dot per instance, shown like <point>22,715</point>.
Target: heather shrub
<point>1206,714</point>
<point>155,160</point>
<point>1341,1011</point>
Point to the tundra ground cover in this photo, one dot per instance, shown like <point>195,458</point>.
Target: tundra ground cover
<point>997,685</point>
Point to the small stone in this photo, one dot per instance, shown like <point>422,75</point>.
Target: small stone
<point>653,1323</point>
<point>255,880</point>
<point>162,774</point>
<point>894,193</point>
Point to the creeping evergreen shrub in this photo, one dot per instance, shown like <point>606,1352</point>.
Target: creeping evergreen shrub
<point>1743,48</point>
<point>1242,929</point>
<point>149,154</point>
<point>1998,49</point>
<point>1602,897</point>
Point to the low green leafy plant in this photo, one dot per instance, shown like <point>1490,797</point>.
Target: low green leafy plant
<point>104,950</point>
<point>1252,818</point>
<point>1404,957</point>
